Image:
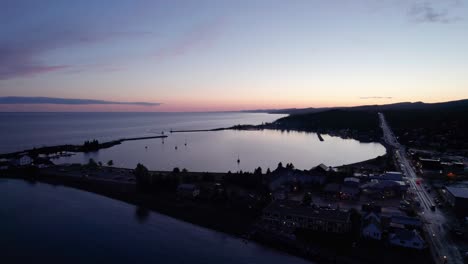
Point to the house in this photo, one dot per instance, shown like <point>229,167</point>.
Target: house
<point>405,221</point>
<point>24,161</point>
<point>188,190</point>
<point>321,168</point>
<point>372,226</point>
<point>407,238</point>
<point>351,181</point>
<point>457,197</point>
<point>291,214</point>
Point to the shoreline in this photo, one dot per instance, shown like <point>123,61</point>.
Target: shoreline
<point>220,217</point>
<point>231,222</point>
<point>319,132</point>
<point>74,148</point>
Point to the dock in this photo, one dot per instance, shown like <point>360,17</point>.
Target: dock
<point>197,130</point>
<point>320,137</point>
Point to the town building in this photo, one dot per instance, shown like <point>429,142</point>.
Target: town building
<point>457,197</point>
<point>351,181</point>
<point>430,167</point>
<point>392,176</point>
<point>188,190</point>
<point>372,226</point>
<point>24,161</point>
<point>407,238</point>
<point>384,189</point>
<point>291,214</point>
<point>283,177</point>
<point>402,221</point>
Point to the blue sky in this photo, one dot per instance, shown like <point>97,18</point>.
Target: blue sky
<point>229,55</point>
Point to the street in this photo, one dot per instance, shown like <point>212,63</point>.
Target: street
<point>442,247</point>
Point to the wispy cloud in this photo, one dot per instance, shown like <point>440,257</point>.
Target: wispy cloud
<point>66,101</point>
<point>198,38</point>
<point>427,12</point>
<point>20,58</point>
<point>375,97</point>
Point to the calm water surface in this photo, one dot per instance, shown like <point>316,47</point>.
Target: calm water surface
<point>206,151</point>
<point>40,223</point>
<point>19,131</point>
<point>218,151</point>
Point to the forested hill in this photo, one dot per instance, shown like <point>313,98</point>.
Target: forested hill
<point>438,125</point>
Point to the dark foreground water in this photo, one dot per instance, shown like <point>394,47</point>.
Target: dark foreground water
<point>40,223</point>
<point>205,151</point>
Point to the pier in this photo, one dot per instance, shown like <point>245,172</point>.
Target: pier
<point>320,137</point>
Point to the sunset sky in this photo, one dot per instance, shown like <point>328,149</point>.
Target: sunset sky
<point>232,55</point>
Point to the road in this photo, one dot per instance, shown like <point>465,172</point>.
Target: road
<point>435,223</point>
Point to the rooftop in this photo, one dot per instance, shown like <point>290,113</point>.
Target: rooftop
<point>404,234</point>
<point>295,208</point>
<point>459,192</point>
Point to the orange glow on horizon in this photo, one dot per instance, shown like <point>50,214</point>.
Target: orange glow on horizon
<point>206,105</point>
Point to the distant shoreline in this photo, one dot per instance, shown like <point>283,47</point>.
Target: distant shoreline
<point>74,148</point>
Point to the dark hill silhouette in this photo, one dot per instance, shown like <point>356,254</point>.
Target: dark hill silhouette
<point>436,125</point>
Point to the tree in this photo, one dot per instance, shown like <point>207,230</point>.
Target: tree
<point>92,164</point>
<point>307,199</point>
<point>184,170</point>
<point>110,163</point>
<point>100,164</point>
<point>258,171</point>
<point>141,175</point>
<point>176,170</point>
<point>90,145</point>
<point>290,166</point>
<point>280,165</point>
<point>268,171</point>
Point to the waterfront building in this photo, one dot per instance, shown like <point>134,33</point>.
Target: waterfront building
<point>291,214</point>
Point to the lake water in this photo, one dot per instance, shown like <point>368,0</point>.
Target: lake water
<point>54,224</point>
<point>205,151</point>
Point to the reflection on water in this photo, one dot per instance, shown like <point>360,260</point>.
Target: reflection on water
<point>45,224</point>
<point>141,213</point>
<point>21,131</point>
<point>218,151</point>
